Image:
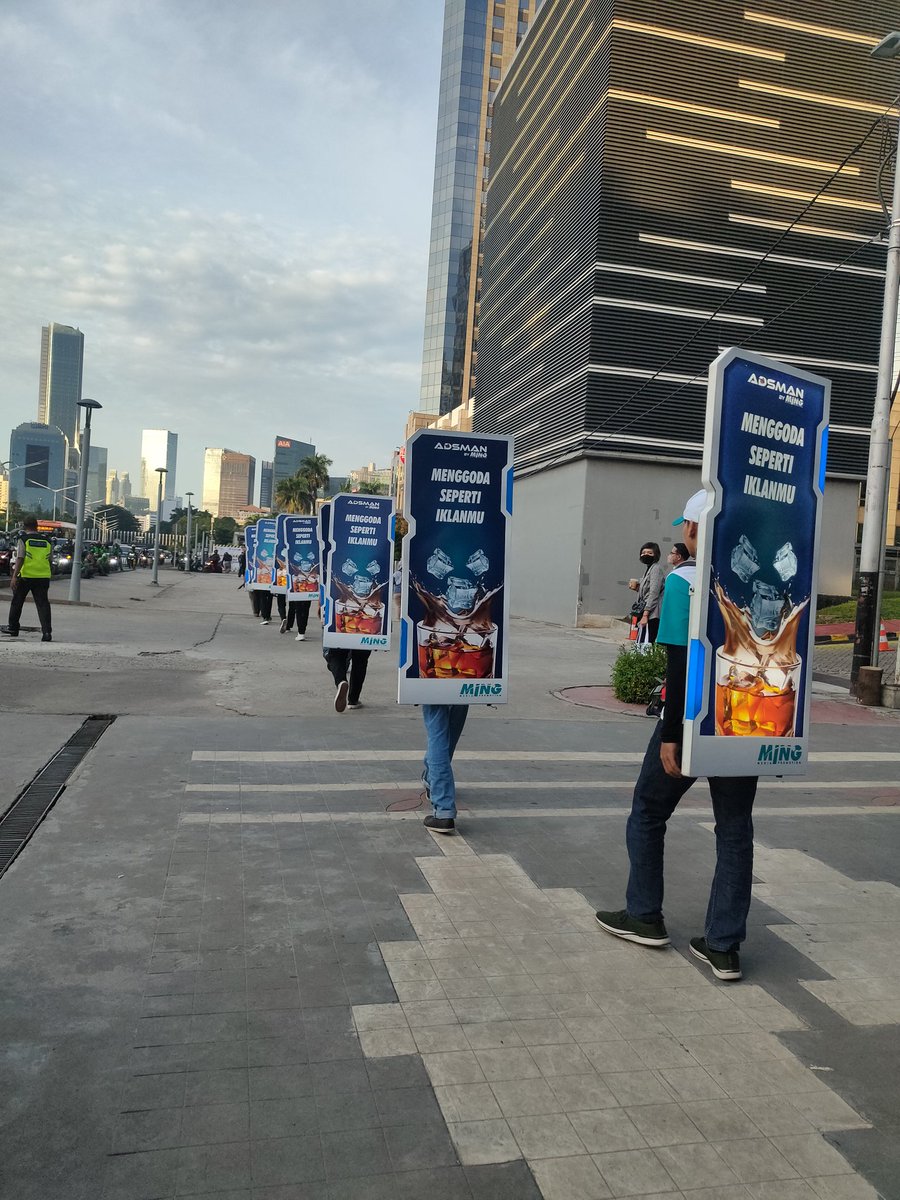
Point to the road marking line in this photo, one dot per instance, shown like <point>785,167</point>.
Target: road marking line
<point>554,756</point>
<point>523,785</point>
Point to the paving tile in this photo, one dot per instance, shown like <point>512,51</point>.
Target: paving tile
<point>400,1072</point>
<point>527,1007</point>
<point>543,1031</point>
<point>438,1038</point>
<point>720,1120</point>
<point>276,1083</point>
<point>606,1130</point>
<point>574,1178</point>
<point>688,1164</point>
<point>550,1135</point>
<point>773,1115</point>
<point>347,1110</point>
<point>141,1176</point>
<point>585,1092</point>
<point>355,1153</point>
<point>613,1056</point>
<point>782,1189</point>
<point>637,1087</point>
<point>561,1060</point>
<point>341,1076</point>
<point>525,1097</point>
<point>502,1181</point>
<point>387,1043</point>
<point>811,1155</point>
<point>152,1129</point>
<point>592,1028</point>
<point>420,989</point>
<point>405,1106</point>
<point>842,1187</point>
<point>825,1110</point>
<point>467,1102</point>
<point>660,1053</point>
<point>483,1142</point>
<point>419,1145</point>
<point>507,1063</point>
<point>476,1009</point>
<point>207,1124</point>
<point>755,1160</point>
<point>276,1052</point>
<point>217,1087</point>
<point>633,1172</point>
<point>378,1016</point>
<point>205,1169</point>
<point>691,1083</point>
<point>154,1091</point>
<point>664,1124</point>
<point>286,1160</point>
<point>423,1013</point>
<point>458,1066</point>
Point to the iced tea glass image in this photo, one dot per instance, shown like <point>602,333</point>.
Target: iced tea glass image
<point>304,582</point>
<point>359,617</point>
<point>756,700</point>
<point>451,654</point>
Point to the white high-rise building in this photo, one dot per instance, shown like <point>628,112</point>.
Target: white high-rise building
<point>159,448</point>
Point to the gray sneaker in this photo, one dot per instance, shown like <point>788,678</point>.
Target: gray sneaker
<point>645,933</point>
<point>724,964</point>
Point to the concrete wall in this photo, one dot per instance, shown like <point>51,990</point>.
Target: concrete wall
<point>577,530</point>
<point>548,514</point>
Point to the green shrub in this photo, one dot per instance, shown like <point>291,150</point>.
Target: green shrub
<point>634,675</point>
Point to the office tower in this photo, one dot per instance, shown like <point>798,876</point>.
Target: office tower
<point>480,39</point>
<point>289,454</point>
<point>38,459</point>
<point>228,479</point>
<point>96,475</point>
<point>644,163</point>
<point>112,487</point>
<point>159,448</point>
<point>125,488</point>
<point>62,364</point>
<point>266,472</point>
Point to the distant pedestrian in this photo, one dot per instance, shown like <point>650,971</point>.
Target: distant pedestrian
<point>444,724</point>
<point>348,669</point>
<point>649,590</point>
<point>226,562</point>
<point>31,573</point>
<point>659,788</point>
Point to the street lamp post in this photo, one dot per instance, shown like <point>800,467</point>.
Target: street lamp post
<point>75,579</point>
<point>161,472</point>
<point>188,565</point>
<point>871,554</point>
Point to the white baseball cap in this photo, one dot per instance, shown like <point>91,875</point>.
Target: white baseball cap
<point>693,508</point>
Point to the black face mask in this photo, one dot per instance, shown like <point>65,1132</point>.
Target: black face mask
<point>647,559</point>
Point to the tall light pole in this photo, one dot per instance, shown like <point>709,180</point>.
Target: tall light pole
<point>161,472</point>
<point>187,537</point>
<point>871,554</point>
<point>75,580</point>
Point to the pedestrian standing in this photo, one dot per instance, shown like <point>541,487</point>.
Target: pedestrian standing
<point>659,788</point>
<point>444,724</point>
<point>348,669</point>
<point>649,590</point>
<point>31,573</point>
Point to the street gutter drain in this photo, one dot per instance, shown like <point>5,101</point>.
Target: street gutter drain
<point>30,807</point>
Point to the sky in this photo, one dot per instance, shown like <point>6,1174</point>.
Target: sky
<point>232,201</point>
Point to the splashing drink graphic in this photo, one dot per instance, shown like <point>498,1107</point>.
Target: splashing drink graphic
<point>456,644</point>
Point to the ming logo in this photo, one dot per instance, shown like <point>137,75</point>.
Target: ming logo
<point>374,641</point>
<point>779,754</point>
<point>481,689</point>
<point>792,394</point>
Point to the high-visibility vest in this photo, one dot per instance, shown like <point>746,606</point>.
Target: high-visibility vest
<point>36,564</point>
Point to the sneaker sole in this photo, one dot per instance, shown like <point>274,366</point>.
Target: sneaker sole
<point>717,971</point>
<point>340,699</point>
<point>638,938</point>
<point>431,829</point>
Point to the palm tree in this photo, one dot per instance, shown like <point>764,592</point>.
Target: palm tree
<point>315,467</point>
<point>295,495</point>
<point>371,489</point>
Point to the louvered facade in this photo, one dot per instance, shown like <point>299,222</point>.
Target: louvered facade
<point>645,157</point>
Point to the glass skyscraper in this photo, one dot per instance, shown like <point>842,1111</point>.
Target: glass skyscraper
<point>480,39</point>
<point>62,362</point>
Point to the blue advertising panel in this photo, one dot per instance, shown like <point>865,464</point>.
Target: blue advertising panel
<point>297,557</point>
<point>262,575</point>
<point>358,586</point>
<point>752,627</point>
<point>250,554</point>
<point>454,601</point>
<point>324,550</point>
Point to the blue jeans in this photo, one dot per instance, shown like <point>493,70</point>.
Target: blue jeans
<point>443,724</point>
<point>656,797</point>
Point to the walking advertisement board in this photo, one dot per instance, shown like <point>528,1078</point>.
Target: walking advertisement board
<point>249,554</point>
<point>360,557</point>
<point>297,557</point>
<point>454,599</point>
<point>752,623</point>
<point>262,575</point>
<point>324,550</point>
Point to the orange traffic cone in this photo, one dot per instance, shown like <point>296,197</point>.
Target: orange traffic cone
<point>882,638</point>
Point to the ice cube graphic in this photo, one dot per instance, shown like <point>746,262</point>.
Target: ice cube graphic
<point>765,607</point>
<point>349,567</point>
<point>460,594</point>
<point>439,565</point>
<point>744,559</point>
<point>478,563</point>
<point>373,568</point>
<point>786,562</point>
<point>361,585</point>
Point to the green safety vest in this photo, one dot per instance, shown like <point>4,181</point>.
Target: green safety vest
<point>37,558</point>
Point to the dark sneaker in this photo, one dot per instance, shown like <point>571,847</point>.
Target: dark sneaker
<point>340,696</point>
<point>283,628</point>
<point>356,704</point>
<point>440,824</point>
<point>48,637</point>
<point>9,632</point>
<point>724,964</point>
<point>645,933</point>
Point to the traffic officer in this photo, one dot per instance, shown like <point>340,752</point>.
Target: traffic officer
<point>31,573</point>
